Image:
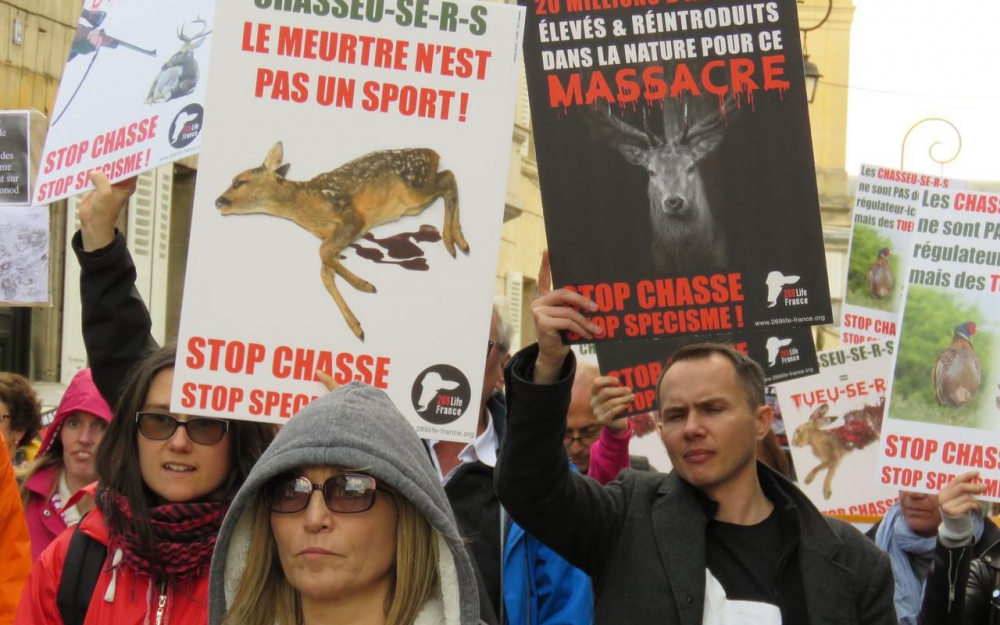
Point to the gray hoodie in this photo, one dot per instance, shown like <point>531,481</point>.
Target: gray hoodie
<point>354,426</point>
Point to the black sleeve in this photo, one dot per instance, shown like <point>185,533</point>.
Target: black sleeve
<point>573,515</point>
<point>116,323</point>
<point>959,588</point>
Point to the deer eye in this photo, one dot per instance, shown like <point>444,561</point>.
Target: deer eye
<point>238,183</point>
<point>691,168</point>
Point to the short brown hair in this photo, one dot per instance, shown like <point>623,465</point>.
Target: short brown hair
<point>22,402</point>
<point>748,371</point>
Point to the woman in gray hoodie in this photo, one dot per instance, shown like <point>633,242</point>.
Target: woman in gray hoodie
<point>378,545</point>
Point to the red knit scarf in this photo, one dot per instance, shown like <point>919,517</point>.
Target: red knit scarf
<point>183,539</point>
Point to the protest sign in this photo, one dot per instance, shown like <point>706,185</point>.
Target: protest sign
<point>784,354</point>
<point>944,406</point>
<point>374,149</point>
<point>132,94</point>
<point>15,158</point>
<point>834,420</point>
<point>24,255</point>
<point>885,210</point>
<point>676,165</point>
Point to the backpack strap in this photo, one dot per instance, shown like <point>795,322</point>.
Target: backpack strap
<point>84,560</point>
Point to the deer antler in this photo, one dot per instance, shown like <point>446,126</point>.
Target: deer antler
<point>653,139</point>
<point>203,33</point>
<point>711,122</point>
<point>603,113</point>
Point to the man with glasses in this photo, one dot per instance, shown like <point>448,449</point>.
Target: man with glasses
<point>585,434</point>
<point>525,581</point>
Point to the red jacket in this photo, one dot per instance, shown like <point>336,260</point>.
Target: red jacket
<point>132,600</point>
<point>44,520</point>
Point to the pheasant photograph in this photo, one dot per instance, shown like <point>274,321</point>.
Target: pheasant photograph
<point>956,372</point>
<point>880,275</point>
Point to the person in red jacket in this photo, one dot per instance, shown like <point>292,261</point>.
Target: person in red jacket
<point>13,539</point>
<point>66,462</point>
<point>165,480</point>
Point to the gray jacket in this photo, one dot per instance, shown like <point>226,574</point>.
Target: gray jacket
<point>642,538</point>
<point>355,426</point>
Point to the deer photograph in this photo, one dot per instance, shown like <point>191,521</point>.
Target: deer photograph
<point>179,75</point>
<point>342,205</point>
<point>861,428</point>
<point>687,238</point>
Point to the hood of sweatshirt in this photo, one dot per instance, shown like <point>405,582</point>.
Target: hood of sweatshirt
<point>356,426</point>
<point>81,396</point>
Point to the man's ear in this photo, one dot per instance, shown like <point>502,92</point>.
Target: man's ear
<point>763,417</point>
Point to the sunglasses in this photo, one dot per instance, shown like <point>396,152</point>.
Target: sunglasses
<point>202,430</point>
<point>348,493</point>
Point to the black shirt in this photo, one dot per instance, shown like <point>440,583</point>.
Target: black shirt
<point>744,558</point>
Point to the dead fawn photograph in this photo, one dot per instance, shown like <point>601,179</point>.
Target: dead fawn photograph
<point>341,206</point>
<point>944,368</point>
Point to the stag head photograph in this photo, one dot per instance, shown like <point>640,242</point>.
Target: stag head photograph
<point>686,235</point>
<point>342,205</point>
<point>179,75</point>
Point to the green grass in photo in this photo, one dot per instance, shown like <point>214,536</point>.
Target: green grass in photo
<point>865,244</point>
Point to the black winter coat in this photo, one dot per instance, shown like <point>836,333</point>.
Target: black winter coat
<point>963,588</point>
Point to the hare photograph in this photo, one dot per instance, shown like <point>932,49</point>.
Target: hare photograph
<point>944,370</point>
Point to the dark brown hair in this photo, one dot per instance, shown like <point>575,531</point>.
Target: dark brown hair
<point>749,373</point>
<point>118,470</point>
<point>25,409</point>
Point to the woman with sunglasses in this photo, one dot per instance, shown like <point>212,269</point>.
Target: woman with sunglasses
<point>343,519</point>
<point>164,484</point>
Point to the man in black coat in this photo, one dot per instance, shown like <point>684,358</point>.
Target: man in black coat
<point>720,540</point>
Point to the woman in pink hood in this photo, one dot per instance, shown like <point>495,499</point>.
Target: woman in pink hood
<point>65,463</point>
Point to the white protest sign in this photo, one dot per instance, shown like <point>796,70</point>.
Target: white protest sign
<point>944,407</point>
<point>132,93</point>
<point>834,420</point>
<point>348,210</point>
<point>885,209</point>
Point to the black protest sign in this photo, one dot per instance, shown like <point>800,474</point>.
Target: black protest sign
<point>676,165</point>
<point>784,354</point>
<point>15,183</point>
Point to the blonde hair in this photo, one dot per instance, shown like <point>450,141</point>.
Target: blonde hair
<point>264,596</point>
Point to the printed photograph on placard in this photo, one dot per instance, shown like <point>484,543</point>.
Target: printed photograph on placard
<point>24,256</point>
<point>951,343</point>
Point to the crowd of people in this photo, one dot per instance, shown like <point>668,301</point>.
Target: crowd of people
<point>124,512</point>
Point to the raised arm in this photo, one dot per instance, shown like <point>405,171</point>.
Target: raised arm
<point>116,323</point>
<point>609,454</point>
<point>959,588</point>
<point>573,515</point>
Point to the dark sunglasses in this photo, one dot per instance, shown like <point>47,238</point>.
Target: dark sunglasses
<point>347,493</point>
<point>202,430</point>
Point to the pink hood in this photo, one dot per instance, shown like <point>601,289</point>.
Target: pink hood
<point>80,396</point>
